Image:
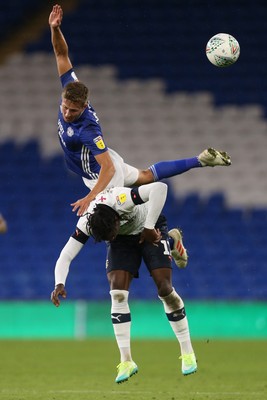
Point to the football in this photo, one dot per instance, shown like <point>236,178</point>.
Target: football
<point>222,50</point>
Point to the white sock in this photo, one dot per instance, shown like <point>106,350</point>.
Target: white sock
<point>121,320</point>
<point>175,311</point>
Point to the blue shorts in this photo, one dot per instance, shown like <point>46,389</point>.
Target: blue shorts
<point>126,253</point>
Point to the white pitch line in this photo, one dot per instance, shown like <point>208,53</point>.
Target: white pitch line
<point>125,392</point>
<point>100,391</point>
<point>150,392</point>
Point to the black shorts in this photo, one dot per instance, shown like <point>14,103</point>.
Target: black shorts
<point>126,253</point>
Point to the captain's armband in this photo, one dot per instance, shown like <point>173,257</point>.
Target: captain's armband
<point>136,198</point>
<point>80,236</point>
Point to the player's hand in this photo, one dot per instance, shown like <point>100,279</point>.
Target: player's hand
<point>58,291</point>
<point>81,205</point>
<point>151,236</point>
<point>55,17</point>
<point>3,225</point>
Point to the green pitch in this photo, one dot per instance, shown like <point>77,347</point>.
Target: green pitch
<point>73,370</point>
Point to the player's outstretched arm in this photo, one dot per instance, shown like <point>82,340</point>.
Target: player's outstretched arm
<point>155,194</point>
<point>58,40</point>
<point>67,254</point>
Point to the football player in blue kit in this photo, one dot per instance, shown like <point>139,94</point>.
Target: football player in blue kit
<point>81,138</point>
<point>132,223</point>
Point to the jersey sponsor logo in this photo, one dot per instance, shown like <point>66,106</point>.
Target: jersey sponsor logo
<point>121,199</point>
<point>99,143</point>
<point>70,132</point>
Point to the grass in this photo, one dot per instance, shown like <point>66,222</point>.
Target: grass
<point>83,370</point>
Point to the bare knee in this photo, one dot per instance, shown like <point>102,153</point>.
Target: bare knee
<point>173,301</point>
<point>163,281</point>
<point>164,288</point>
<point>119,296</point>
<point>145,176</point>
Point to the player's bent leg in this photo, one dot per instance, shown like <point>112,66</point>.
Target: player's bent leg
<point>176,314</point>
<point>145,176</point>
<point>163,280</point>
<point>165,169</point>
<point>119,281</point>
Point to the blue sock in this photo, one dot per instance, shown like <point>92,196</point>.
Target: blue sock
<point>166,169</point>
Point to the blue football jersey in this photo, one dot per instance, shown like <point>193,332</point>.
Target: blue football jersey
<point>82,139</point>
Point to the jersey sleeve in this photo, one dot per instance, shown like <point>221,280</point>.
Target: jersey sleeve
<point>154,194</point>
<point>136,198</point>
<point>91,137</point>
<point>68,77</point>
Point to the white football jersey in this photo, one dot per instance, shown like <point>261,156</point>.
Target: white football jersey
<point>132,216</point>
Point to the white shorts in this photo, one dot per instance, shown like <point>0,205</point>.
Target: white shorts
<point>125,174</point>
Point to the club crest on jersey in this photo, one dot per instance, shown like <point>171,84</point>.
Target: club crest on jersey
<point>121,199</point>
<point>70,132</point>
<point>99,142</point>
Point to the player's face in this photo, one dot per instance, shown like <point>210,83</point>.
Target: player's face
<point>71,111</point>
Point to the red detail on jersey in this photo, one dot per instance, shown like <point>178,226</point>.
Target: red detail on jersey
<point>102,198</point>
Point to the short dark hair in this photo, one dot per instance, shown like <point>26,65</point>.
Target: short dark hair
<point>76,92</point>
<point>102,224</point>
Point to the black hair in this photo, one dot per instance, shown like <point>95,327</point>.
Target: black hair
<point>103,223</point>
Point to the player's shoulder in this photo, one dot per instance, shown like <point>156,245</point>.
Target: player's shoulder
<point>114,196</point>
<point>116,190</point>
<point>122,198</point>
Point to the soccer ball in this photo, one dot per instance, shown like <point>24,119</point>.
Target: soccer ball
<point>222,50</point>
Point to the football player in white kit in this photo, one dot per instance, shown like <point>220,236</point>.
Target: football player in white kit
<point>81,138</point>
<point>132,223</point>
